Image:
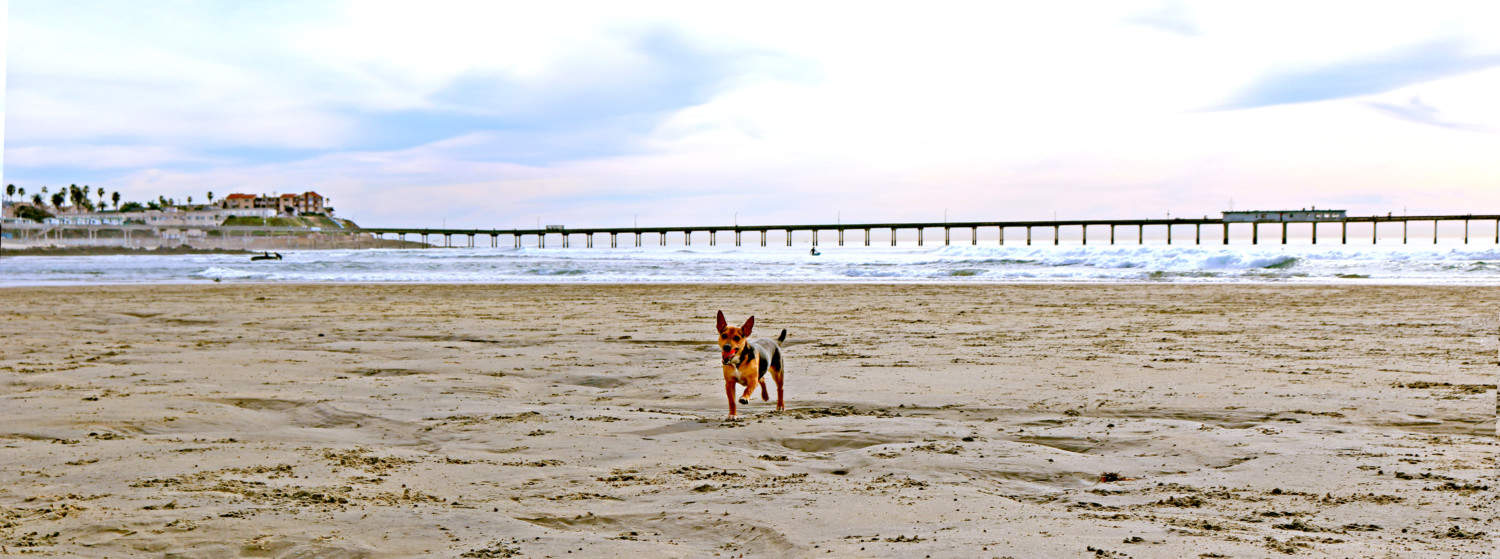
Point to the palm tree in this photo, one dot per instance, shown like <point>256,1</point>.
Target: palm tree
<point>116,199</point>
<point>162,200</point>
<point>57,200</point>
<point>10,190</point>
<point>36,201</point>
<point>210,197</point>
<point>83,198</point>
<point>22,192</point>
<point>190,200</point>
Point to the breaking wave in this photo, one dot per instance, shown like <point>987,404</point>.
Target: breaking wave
<point>949,264</point>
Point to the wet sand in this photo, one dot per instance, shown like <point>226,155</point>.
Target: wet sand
<point>566,421</point>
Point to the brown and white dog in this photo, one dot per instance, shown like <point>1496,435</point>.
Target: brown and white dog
<point>746,362</point>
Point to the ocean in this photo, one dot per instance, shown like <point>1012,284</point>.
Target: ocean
<point>1462,265</point>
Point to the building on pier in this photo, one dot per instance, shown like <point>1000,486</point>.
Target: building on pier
<point>1285,215</point>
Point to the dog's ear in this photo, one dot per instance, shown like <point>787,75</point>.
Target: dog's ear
<point>745,330</point>
<point>722,323</point>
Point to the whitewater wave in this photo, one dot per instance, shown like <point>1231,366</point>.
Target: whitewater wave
<point>216,272</point>
<point>950,264</point>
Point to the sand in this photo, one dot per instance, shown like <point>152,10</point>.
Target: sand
<point>567,421</point>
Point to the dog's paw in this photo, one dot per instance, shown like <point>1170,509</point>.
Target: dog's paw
<point>744,401</point>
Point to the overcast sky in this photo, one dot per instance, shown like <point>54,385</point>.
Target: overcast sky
<point>498,114</point>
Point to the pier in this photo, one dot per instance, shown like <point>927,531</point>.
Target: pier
<point>1132,231</point>
<point>1196,231</point>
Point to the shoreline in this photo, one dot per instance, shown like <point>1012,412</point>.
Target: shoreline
<point>1313,282</point>
<point>116,251</point>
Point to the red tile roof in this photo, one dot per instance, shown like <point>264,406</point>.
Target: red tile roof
<point>240,196</point>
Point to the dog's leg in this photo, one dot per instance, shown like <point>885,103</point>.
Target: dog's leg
<point>777,375</point>
<point>763,395</point>
<point>749,390</point>
<point>729,391</point>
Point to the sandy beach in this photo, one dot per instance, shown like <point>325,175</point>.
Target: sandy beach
<point>567,421</point>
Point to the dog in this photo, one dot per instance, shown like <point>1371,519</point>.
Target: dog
<point>747,361</point>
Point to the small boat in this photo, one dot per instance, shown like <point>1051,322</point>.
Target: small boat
<point>266,256</point>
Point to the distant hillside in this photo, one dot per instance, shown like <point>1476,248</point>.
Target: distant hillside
<point>303,221</point>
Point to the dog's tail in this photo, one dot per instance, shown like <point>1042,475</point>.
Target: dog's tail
<point>782,337</point>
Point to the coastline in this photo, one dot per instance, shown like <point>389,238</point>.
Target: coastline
<point>936,419</point>
<point>115,251</point>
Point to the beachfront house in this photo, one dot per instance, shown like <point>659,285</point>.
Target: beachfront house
<point>1285,215</point>
<point>286,204</point>
<point>238,202</point>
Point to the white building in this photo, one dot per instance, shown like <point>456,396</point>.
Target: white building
<point>171,217</point>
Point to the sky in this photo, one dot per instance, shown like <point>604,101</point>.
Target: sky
<point>489,114</point>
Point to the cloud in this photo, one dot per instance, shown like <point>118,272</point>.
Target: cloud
<point>1172,16</point>
<point>1415,110</point>
<point>1362,76</point>
<point>102,156</point>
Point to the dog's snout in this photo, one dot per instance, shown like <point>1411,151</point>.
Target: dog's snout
<point>727,347</point>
